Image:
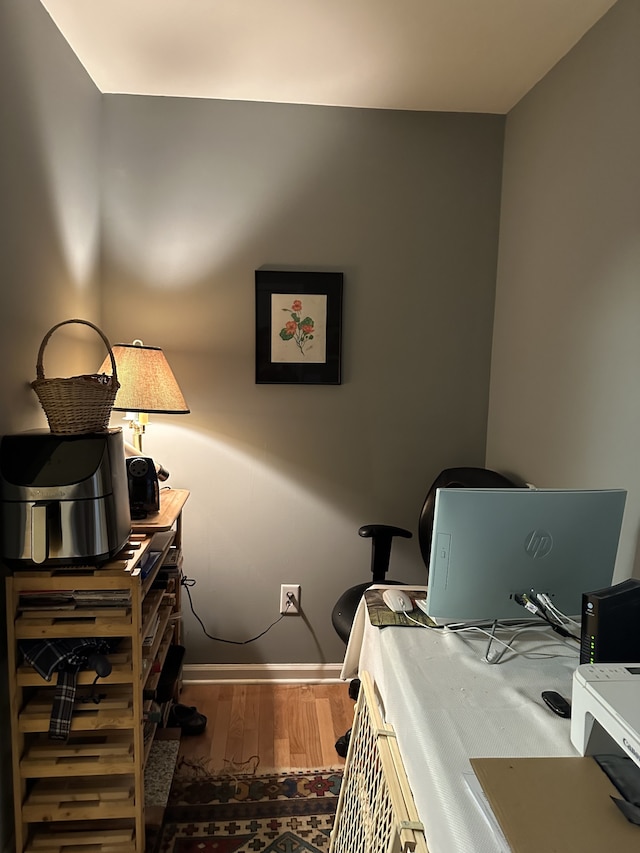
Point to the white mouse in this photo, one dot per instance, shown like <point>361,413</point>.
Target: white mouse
<point>397,600</point>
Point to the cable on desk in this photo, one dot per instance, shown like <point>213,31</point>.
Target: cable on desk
<point>559,615</point>
<point>463,627</point>
<point>533,602</point>
<point>507,645</point>
<point>187,582</point>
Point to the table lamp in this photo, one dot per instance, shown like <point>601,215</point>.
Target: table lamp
<point>147,385</point>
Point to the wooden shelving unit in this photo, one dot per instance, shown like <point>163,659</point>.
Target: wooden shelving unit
<point>88,792</point>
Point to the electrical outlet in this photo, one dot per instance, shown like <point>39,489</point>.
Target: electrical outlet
<point>290,599</point>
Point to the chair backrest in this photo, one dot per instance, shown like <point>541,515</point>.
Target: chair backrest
<point>454,478</point>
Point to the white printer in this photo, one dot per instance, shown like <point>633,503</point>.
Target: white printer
<point>606,708</point>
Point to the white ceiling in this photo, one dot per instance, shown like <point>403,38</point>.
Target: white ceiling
<point>451,55</point>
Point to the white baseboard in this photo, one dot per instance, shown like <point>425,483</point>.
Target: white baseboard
<point>252,673</point>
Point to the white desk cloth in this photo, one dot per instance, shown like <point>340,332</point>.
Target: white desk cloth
<point>447,705</point>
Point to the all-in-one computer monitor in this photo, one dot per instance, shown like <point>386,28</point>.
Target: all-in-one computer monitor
<point>489,544</point>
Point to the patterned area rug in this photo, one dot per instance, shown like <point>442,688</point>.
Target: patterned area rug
<point>286,813</point>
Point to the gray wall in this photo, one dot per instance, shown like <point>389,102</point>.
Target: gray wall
<point>49,203</point>
<point>199,194</point>
<point>49,223</point>
<point>565,408</point>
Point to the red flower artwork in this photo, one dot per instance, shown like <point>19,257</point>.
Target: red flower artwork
<point>298,329</point>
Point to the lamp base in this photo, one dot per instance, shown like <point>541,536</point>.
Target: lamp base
<point>137,424</point>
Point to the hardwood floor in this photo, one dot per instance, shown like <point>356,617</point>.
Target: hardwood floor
<point>259,728</point>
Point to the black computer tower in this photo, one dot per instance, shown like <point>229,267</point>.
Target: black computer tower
<point>610,631</point>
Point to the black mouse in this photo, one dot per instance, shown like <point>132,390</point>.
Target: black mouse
<point>558,704</point>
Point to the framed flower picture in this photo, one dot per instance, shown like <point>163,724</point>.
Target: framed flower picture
<point>298,327</point>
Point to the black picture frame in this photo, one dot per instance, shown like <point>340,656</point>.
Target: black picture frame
<point>290,350</point>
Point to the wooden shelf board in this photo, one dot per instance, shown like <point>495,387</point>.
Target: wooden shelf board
<point>84,840</point>
<point>120,674</point>
<point>171,503</point>
<point>89,721</point>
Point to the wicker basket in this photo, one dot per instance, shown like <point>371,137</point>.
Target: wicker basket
<point>79,404</point>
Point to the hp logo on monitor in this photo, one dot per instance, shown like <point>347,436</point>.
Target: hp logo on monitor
<point>538,544</point>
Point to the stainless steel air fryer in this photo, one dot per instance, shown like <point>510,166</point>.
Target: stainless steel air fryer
<point>63,499</point>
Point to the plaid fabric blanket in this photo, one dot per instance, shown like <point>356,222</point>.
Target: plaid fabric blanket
<point>66,656</point>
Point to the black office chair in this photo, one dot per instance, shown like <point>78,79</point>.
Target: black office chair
<point>382,536</point>
<point>454,478</point>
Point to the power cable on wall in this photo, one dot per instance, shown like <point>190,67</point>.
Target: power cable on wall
<point>188,582</point>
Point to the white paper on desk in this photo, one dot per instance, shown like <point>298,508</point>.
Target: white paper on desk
<point>485,807</point>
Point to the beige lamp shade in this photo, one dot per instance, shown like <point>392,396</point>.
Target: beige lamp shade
<point>147,383</point>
